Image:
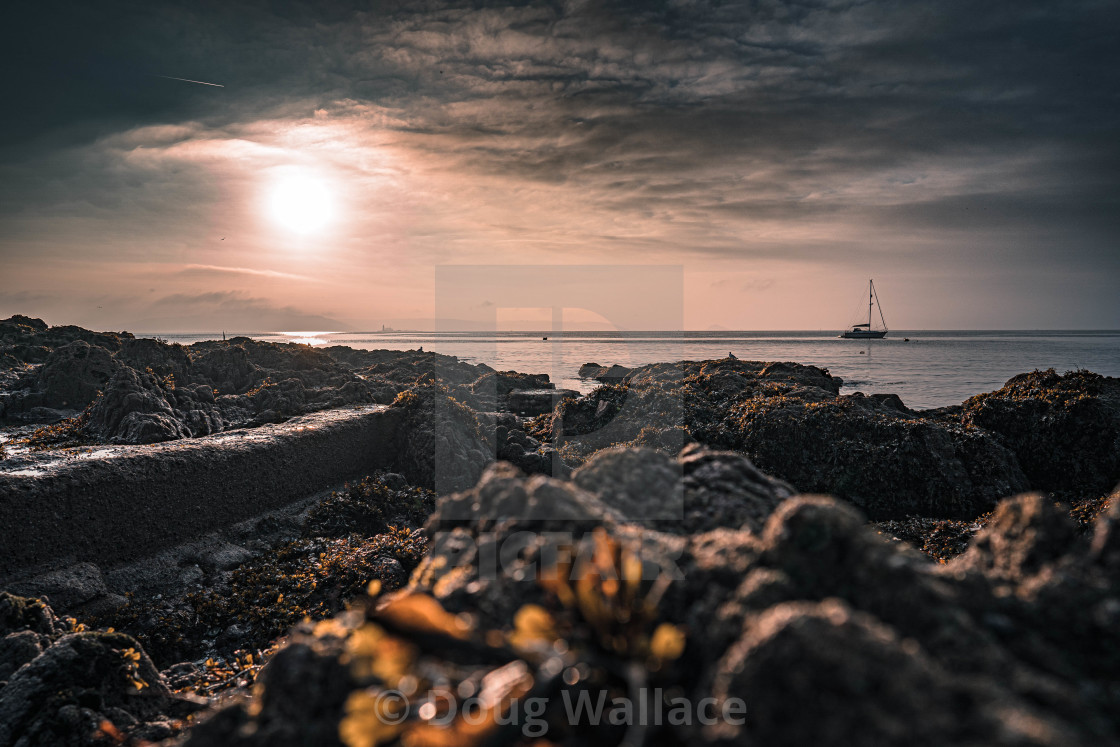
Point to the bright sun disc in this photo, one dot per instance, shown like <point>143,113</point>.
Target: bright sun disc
<point>301,204</point>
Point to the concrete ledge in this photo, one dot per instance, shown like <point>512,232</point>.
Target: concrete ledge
<point>106,504</point>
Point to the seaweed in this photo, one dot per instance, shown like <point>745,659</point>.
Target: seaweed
<point>63,434</point>
<point>368,507</point>
<point>304,578</point>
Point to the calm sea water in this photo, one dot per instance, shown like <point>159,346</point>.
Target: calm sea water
<point>933,369</point>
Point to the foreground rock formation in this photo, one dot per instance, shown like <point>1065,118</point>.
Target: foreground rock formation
<point>63,685</point>
<point>829,634</point>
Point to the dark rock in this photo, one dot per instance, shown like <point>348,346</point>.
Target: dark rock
<point>227,369</point>
<point>23,325</point>
<point>1106,535</point>
<point>723,489</point>
<point>829,633</point>
<point>1065,430</point>
<point>163,360</point>
<point>72,376</point>
<point>17,649</point>
<point>65,588</point>
<point>59,688</point>
<point>1026,534</point>
<point>90,671</point>
<point>640,484</point>
<point>538,401</point>
<point>20,613</point>
<point>614,374</point>
<point>304,690</point>
<point>501,383</point>
<point>134,409</point>
<point>442,447</point>
<point>856,682</point>
<point>789,420</point>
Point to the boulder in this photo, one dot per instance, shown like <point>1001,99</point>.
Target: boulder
<point>163,360</point>
<point>1064,429</point>
<point>62,688</point>
<point>72,376</point>
<point>227,369</point>
<point>441,445</point>
<point>134,409</point>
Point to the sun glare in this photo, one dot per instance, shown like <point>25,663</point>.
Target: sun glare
<point>301,203</point>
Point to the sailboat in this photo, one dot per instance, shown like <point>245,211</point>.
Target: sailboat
<point>864,331</point>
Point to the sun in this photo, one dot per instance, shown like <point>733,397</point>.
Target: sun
<point>301,203</point>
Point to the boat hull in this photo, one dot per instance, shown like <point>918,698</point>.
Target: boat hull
<point>861,335</point>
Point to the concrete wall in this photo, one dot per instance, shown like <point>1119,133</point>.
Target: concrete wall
<point>107,504</point>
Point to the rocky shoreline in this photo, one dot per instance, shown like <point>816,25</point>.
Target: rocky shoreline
<point>933,598</point>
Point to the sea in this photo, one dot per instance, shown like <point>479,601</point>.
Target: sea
<point>926,368</point>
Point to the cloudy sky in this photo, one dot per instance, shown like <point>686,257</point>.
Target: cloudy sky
<point>966,155</point>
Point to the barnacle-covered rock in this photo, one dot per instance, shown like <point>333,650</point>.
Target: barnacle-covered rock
<point>1027,534</point>
<point>821,629</point>
<point>1064,429</point>
<point>134,409</point>
<point>699,490</point>
<point>441,446</point>
<point>62,685</point>
<point>792,423</point>
<point>70,379</point>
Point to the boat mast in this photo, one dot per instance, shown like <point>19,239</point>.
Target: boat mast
<point>870,292</point>
<point>881,317</point>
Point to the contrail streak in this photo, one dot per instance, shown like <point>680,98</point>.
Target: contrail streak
<point>188,80</point>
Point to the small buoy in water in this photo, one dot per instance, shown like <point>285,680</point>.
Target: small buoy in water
<point>544,338</point>
<point>906,339</point>
<point>861,352</point>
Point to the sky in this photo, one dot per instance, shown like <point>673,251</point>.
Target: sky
<point>329,158</point>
